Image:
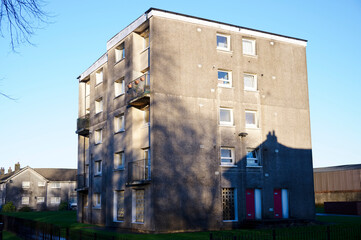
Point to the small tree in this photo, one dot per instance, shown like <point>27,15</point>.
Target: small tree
<point>8,207</point>
<point>63,206</point>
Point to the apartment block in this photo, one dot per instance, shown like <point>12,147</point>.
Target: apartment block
<point>191,124</point>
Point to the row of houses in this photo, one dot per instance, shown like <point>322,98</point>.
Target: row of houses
<point>38,188</point>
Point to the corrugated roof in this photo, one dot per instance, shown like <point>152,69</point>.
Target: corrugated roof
<point>57,174</point>
<point>338,168</point>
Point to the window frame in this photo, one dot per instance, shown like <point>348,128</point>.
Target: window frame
<point>115,205</point>
<point>232,158</point>
<point>55,185</point>
<point>255,80</point>
<point>98,136</point>
<point>99,105</point>
<point>119,123</point>
<point>25,202</point>
<point>119,87</point>
<point>253,43</point>
<point>99,77</point>
<point>38,200</point>
<point>224,123</point>
<point>229,73</point>
<point>145,111</point>
<point>122,160</point>
<point>55,200</point>
<point>257,159</point>
<point>228,37</point>
<point>98,168</point>
<point>97,201</point>
<point>119,52</point>
<point>41,184</point>
<point>25,184</point>
<point>253,125</point>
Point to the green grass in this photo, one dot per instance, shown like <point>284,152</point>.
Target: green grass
<point>10,236</point>
<point>339,219</point>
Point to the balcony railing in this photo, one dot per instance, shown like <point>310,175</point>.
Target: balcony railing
<point>82,126</point>
<point>138,172</point>
<point>82,181</point>
<point>138,91</point>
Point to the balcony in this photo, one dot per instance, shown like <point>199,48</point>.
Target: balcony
<point>138,172</point>
<point>82,181</point>
<point>138,91</point>
<point>82,126</point>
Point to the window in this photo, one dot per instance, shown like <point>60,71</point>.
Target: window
<point>225,116</point>
<point>55,200</point>
<point>229,202</point>
<point>119,52</point>
<point>227,156</point>
<point>249,46</point>
<point>98,136</point>
<point>223,42</point>
<point>119,160</point>
<point>26,185</point>
<point>98,167</point>
<point>253,157</point>
<point>145,36</point>
<point>118,206</point>
<point>146,115</point>
<point>119,123</point>
<point>25,200</point>
<point>224,78</point>
<point>138,205</point>
<point>55,185</point>
<point>98,105</point>
<point>99,77</point>
<point>251,119</point>
<point>97,200</point>
<point>40,199</point>
<point>119,87</point>
<point>250,82</point>
<point>41,184</point>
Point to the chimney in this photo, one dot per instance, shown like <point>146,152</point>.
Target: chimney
<point>2,171</point>
<point>9,170</point>
<point>17,166</point>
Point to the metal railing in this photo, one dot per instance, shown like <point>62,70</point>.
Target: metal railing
<point>138,172</point>
<point>82,125</point>
<point>138,87</point>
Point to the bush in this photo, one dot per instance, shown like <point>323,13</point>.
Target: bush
<point>25,209</point>
<point>8,207</point>
<point>63,206</point>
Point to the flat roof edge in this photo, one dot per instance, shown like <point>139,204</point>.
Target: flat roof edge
<point>98,63</point>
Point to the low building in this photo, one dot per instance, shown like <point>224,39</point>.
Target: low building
<point>37,188</point>
<point>337,184</point>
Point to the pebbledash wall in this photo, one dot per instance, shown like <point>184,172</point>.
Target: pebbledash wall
<point>191,124</point>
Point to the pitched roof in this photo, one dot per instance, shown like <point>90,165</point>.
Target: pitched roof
<point>6,176</point>
<point>57,174</point>
<point>338,168</point>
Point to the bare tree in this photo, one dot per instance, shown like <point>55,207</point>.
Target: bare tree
<point>20,18</point>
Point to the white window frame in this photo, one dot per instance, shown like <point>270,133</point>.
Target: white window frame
<point>55,200</point>
<point>25,184</point>
<point>97,201</point>
<point>119,52</point>
<point>115,207</point>
<point>98,167</point>
<point>98,105</point>
<point>254,162</point>
<point>231,158</point>
<point>41,184</point>
<point>255,124</point>
<point>119,87</point>
<point>99,77</point>
<point>253,43</point>
<point>55,185</point>
<point>119,123</point>
<point>229,84</point>
<point>25,200</point>
<point>40,199</point>
<point>228,37</point>
<point>225,123</point>
<point>98,136</point>
<point>254,87</point>
<point>119,157</point>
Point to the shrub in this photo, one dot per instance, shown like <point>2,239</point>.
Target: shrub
<point>25,209</point>
<point>63,206</point>
<point>8,207</point>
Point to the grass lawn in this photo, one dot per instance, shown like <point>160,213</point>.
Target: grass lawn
<point>68,219</point>
<point>10,236</point>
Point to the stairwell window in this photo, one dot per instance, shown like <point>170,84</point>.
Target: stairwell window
<point>224,78</point>
<point>99,77</point>
<point>119,52</point>
<point>226,117</point>
<point>138,206</point>
<point>229,202</point>
<point>99,105</point>
<point>223,42</point>
<point>119,87</point>
<point>97,200</point>
<point>98,136</point>
<point>251,119</point>
<point>249,46</point>
<point>250,82</point>
<point>98,168</point>
<point>119,208</point>
<point>119,123</point>
<point>227,156</point>
<point>119,159</point>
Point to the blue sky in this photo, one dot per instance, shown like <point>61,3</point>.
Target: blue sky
<point>38,129</point>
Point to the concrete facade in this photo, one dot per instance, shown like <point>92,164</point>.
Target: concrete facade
<point>27,187</point>
<point>186,184</point>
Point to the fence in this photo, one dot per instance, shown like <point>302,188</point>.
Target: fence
<point>335,232</point>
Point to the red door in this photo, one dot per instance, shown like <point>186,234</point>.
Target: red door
<point>250,208</point>
<point>277,198</point>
